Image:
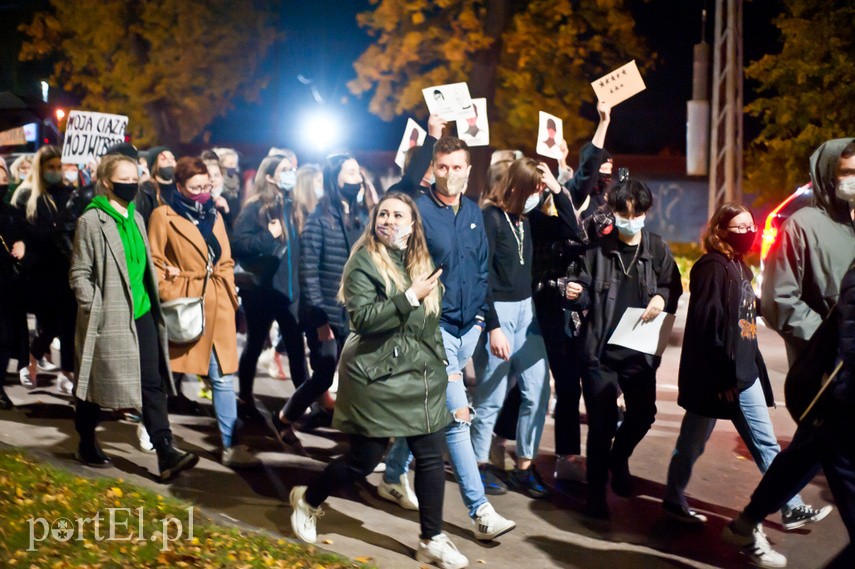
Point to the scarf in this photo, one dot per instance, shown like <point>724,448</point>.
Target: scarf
<point>203,217</point>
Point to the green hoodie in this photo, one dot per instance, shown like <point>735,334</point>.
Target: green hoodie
<point>135,252</point>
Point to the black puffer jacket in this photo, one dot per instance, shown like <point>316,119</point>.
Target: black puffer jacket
<point>328,236</point>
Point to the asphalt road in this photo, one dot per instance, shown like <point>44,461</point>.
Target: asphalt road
<point>550,533</point>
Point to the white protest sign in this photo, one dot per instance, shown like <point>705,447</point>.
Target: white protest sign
<point>451,102</point>
<point>13,137</point>
<point>619,85</point>
<point>414,135</point>
<point>550,132</point>
<point>475,131</point>
<point>89,135</point>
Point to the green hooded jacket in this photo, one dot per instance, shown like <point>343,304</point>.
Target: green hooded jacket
<point>392,376</point>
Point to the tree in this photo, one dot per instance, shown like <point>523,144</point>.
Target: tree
<point>808,88</point>
<point>171,66</point>
<point>523,56</point>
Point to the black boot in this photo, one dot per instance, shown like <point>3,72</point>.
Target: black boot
<point>5,402</point>
<point>317,418</point>
<point>90,454</point>
<point>171,461</point>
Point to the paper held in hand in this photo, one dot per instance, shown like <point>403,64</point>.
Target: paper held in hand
<point>550,132</point>
<point>619,85</point>
<point>649,338</point>
<point>451,102</point>
<point>475,131</point>
<point>414,135</point>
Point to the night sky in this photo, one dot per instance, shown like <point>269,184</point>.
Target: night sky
<point>322,40</point>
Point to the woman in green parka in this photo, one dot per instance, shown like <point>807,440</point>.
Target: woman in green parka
<point>392,377</point>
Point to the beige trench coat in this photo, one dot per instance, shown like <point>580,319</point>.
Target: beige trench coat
<point>177,242</point>
<point>108,359</point>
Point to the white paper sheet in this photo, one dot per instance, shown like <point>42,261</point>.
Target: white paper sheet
<point>619,85</point>
<point>550,132</point>
<point>414,135</point>
<point>452,102</point>
<point>475,131</point>
<point>649,338</point>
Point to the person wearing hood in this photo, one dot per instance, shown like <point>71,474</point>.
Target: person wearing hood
<point>159,189</point>
<point>266,241</point>
<point>801,285</point>
<point>328,237</point>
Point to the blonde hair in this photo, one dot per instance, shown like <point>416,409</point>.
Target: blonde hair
<point>305,200</point>
<point>106,168</point>
<point>14,169</point>
<point>418,260</point>
<point>39,189</point>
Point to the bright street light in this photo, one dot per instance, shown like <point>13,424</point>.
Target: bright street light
<point>321,130</point>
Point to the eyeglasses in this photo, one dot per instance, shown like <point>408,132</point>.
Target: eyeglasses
<point>201,189</point>
<point>742,228</point>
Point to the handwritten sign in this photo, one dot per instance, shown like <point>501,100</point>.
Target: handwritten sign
<point>619,85</point>
<point>452,102</point>
<point>89,135</point>
<point>414,135</point>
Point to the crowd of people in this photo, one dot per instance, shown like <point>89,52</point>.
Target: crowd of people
<point>145,267</point>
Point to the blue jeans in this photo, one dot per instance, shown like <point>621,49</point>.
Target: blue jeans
<point>752,424</point>
<point>225,402</point>
<point>457,352</point>
<point>529,363</point>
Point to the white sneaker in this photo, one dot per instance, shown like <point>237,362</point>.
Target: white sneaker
<point>304,518</point>
<point>64,384</point>
<point>45,365</point>
<point>400,493</point>
<point>238,456</point>
<point>489,524</point>
<point>145,441</point>
<point>25,378</point>
<point>570,468</point>
<point>381,467</point>
<point>755,546</point>
<point>442,552</point>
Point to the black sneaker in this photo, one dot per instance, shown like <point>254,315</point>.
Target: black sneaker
<point>801,515</point>
<point>92,455</point>
<point>621,479</point>
<point>528,481</point>
<point>171,461</point>
<point>315,420</point>
<point>683,514</point>
<point>5,402</point>
<point>249,413</point>
<point>492,484</point>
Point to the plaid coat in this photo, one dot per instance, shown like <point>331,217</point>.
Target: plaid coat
<point>106,345</point>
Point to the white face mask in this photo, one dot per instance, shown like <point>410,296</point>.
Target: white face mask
<point>398,236</point>
<point>319,190</point>
<point>846,189</point>
<point>217,191</point>
<point>629,227</point>
<point>532,202</point>
<point>70,175</point>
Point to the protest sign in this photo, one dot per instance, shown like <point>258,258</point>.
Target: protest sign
<point>414,135</point>
<point>619,85</point>
<point>89,135</point>
<point>475,131</point>
<point>451,102</point>
<point>550,132</point>
<point>13,137</point>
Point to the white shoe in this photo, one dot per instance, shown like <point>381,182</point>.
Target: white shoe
<point>238,456</point>
<point>45,365</point>
<point>64,384</point>
<point>400,493</point>
<point>25,378</point>
<point>145,441</point>
<point>304,518</point>
<point>489,524</point>
<point>381,467</point>
<point>440,551</point>
<point>755,546</point>
<point>570,468</point>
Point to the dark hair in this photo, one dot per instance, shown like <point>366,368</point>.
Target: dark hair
<point>849,150</point>
<point>449,144</point>
<point>209,155</point>
<point>550,124</point>
<point>414,135</point>
<point>522,180</point>
<point>632,191</point>
<point>187,167</point>
<point>408,156</point>
<point>716,229</point>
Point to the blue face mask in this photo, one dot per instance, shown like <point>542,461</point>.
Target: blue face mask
<point>287,180</point>
<point>629,227</point>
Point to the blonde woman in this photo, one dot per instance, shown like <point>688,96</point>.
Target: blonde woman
<point>392,373</point>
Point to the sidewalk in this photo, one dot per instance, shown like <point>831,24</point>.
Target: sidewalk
<point>360,524</point>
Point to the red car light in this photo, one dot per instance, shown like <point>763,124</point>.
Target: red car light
<point>770,228</point>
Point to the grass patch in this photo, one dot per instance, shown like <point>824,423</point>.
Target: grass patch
<point>32,491</point>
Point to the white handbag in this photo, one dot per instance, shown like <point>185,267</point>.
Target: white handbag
<point>185,317</point>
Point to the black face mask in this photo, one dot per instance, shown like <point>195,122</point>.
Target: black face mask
<point>166,173</point>
<point>350,191</point>
<point>4,189</point>
<point>741,242</point>
<point>125,191</point>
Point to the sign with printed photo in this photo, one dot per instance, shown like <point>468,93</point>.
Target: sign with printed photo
<point>451,102</point>
<point>550,132</point>
<point>475,131</point>
<point>414,135</point>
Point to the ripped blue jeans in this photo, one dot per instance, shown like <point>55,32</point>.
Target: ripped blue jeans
<point>457,351</point>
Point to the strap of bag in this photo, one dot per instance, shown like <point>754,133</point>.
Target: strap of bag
<point>208,270</point>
